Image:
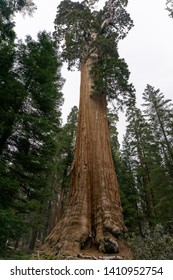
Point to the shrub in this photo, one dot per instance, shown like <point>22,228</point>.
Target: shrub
<point>156,245</point>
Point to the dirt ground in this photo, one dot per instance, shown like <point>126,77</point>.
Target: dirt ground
<point>92,253</point>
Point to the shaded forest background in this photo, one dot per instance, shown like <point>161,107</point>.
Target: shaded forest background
<point>36,150</point>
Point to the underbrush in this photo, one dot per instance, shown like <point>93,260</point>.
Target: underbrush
<point>156,245</point>
<point>15,255</point>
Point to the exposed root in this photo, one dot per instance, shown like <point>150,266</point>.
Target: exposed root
<point>92,257</point>
<point>108,250</point>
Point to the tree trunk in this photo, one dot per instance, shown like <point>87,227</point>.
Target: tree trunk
<point>93,209</point>
<point>33,239</point>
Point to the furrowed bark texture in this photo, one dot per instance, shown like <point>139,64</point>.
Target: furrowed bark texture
<point>93,210</point>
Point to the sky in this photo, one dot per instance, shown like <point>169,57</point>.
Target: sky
<point>147,49</point>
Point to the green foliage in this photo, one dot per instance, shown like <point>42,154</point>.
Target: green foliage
<point>169,6</point>
<point>65,153</point>
<point>38,64</point>
<point>86,33</point>
<point>156,245</point>
<point>10,102</point>
<point>12,254</point>
<point>110,72</point>
<point>30,97</point>
<point>159,112</point>
<point>125,177</point>
<point>12,227</point>
<point>137,153</point>
<point>72,19</point>
<point>146,167</point>
<point>129,199</point>
<point>9,8</point>
<point>8,187</point>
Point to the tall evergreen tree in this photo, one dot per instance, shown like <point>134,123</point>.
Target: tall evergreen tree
<point>139,134</point>
<point>31,97</point>
<point>160,114</point>
<point>36,131</point>
<point>65,154</point>
<point>89,39</point>
<point>12,94</point>
<point>55,206</point>
<point>146,149</point>
<point>130,193</point>
<point>124,170</point>
<point>10,102</point>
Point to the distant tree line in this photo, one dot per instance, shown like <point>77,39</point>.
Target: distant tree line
<point>145,163</point>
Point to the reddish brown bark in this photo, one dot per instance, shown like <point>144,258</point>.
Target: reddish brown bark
<point>93,210</point>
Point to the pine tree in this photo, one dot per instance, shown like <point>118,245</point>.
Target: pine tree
<point>146,148</point>
<point>89,41</point>
<point>10,103</point>
<point>141,153</point>
<point>12,93</point>
<point>65,154</point>
<point>159,113</point>
<point>130,192</point>
<point>123,167</point>
<point>30,122</point>
<point>38,125</point>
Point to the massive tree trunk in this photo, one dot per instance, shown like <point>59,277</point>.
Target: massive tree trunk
<point>93,213</point>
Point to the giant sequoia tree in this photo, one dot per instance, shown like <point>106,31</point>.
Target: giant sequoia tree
<point>89,39</point>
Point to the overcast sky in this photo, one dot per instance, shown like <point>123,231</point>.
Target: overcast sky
<point>148,48</point>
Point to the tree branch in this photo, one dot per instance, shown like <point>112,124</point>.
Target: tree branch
<point>108,21</point>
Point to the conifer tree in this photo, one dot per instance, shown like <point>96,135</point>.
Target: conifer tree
<point>146,148</point>
<point>123,167</point>
<point>130,194</point>
<point>30,96</point>
<point>10,102</point>
<point>64,159</point>
<point>12,94</point>
<point>140,144</point>
<point>89,39</point>
<point>159,114</point>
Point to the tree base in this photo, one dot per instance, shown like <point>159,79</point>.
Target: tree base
<point>70,245</point>
<point>109,245</point>
<point>91,253</point>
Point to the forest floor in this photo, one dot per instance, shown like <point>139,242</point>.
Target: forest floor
<point>92,253</point>
<point>88,253</point>
<point>16,255</point>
